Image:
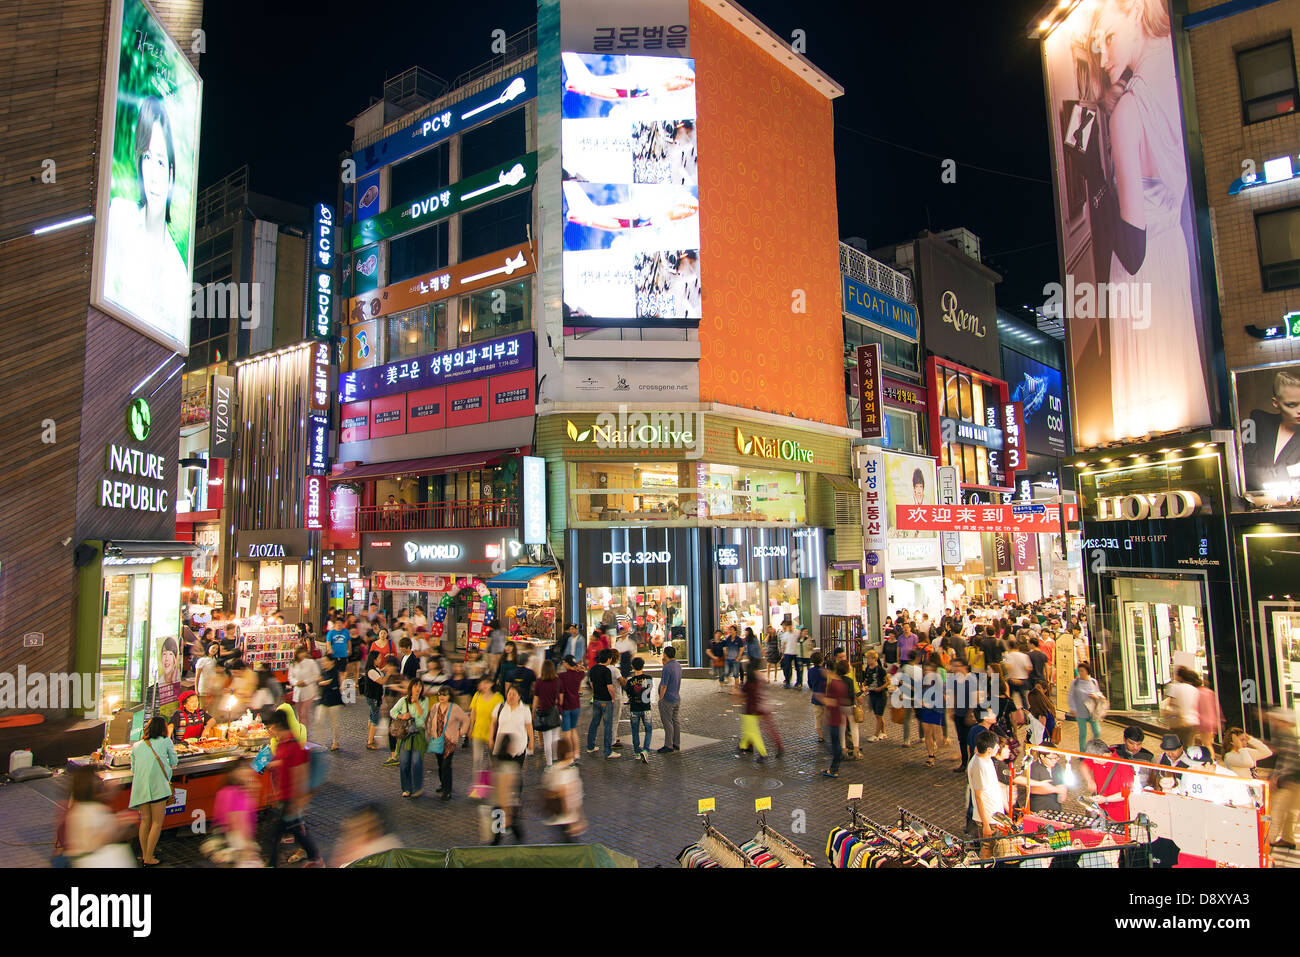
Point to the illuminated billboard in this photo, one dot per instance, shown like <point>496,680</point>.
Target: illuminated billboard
<point>1039,389</point>
<point>1266,411</point>
<point>631,190</point>
<point>148,166</point>
<point>1132,298</point>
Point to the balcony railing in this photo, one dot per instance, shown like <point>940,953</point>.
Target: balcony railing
<point>855,263</point>
<point>430,516</point>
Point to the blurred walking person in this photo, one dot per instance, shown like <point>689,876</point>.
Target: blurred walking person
<point>290,775</point>
<point>512,741</point>
<point>304,675</point>
<point>751,695</point>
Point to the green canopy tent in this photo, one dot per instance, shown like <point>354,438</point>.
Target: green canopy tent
<point>536,855</point>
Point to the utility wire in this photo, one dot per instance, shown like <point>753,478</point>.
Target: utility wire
<point>910,149</point>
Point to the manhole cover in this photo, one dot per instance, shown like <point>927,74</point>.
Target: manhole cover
<point>760,784</point>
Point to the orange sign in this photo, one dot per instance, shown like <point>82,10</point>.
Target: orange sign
<point>489,270</point>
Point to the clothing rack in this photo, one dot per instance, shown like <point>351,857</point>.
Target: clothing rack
<point>871,832</point>
<point>718,847</point>
<point>781,847</point>
<point>948,846</point>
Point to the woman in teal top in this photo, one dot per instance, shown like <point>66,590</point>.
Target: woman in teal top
<point>411,746</point>
<point>153,759</point>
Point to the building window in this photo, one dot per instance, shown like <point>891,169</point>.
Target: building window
<point>1279,248</point>
<point>894,350</point>
<point>685,493</point>
<point>495,312</point>
<point>494,227</point>
<point>418,332</point>
<point>1268,81</point>
<point>418,177</point>
<point>493,143</point>
<point>417,253</point>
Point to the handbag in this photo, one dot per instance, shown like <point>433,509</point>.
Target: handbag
<point>859,714</point>
<point>897,715</point>
<point>547,720</point>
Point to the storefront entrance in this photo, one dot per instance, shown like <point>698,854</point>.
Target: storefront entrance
<point>767,576</point>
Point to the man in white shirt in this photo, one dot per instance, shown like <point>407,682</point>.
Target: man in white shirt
<point>789,651</point>
<point>1018,667</point>
<point>983,791</point>
<point>969,629</point>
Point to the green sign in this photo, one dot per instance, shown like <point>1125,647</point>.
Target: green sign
<point>475,190</point>
<point>1292,320</point>
<point>137,419</point>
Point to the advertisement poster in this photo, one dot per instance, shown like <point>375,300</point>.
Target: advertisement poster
<point>1039,388</point>
<point>631,189</point>
<point>958,307</point>
<point>1267,417</point>
<point>910,480</point>
<point>148,167</point>
<point>1132,298</point>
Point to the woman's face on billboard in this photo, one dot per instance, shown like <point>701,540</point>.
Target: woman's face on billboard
<point>156,172</point>
<point>1117,38</point>
<point>1287,403</point>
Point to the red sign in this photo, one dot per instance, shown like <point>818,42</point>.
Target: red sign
<point>411,582</point>
<point>1024,549</point>
<point>343,507</point>
<point>981,518</point>
<point>896,392</point>
<point>871,418</point>
<point>388,416</point>
<point>426,409</point>
<point>1013,436</point>
<point>315,515</point>
<point>467,402</point>
<point>355,420</point>
<point>511,395</point>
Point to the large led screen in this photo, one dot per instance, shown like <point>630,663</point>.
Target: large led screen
<point>631,190</point>
<point>1132,297</point>
<point>148,168</point>
<point>1039,389</point>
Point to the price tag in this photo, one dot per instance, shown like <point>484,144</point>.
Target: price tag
<point>706,805</point>
<point>855,792</point>
<point>763,804</point>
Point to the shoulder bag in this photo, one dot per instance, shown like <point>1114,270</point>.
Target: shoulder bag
<point>549,719</point>
<point>401,727</point>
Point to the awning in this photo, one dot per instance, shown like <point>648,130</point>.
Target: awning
<point>842,484</point>
<point>158,550</point>
<point>414,467</point>
<point>517,576</point>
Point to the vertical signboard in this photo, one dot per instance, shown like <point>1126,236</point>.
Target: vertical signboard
<point>221,436</point>
<point>320,377</point>
<point>948,494</point>
<point>875,524</point>
<point>320,292</point>
<point>314,513</point>
<point>871,417</point>
<point>533,484</point>
<point>318,443</point>
<point>1013,438</point>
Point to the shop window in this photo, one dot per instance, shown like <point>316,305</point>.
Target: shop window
<point>1268,81</point>
<point>494,227</point>
<point>417,332</point>
<point>492,143</point>
<point>654,615</point>
<point>684,493</point>
<point>488,313</point>
<point>417,253</point>
<point>759,604</point>
<point>418,177</point>
<point>1279,248</point>
<point>900,430</point>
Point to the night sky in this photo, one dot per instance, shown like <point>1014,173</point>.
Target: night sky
<point>948,80</point>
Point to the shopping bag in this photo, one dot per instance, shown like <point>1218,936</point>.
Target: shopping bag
<point>482,786</point>
<point>896,715</point>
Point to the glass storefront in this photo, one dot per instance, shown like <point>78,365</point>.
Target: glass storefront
<point>685,493</point>
<point>139,634</point>
<point>650,613</point>
<point>759,604</point>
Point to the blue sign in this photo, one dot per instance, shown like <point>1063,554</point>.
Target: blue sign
<point>873,559</point>
<point>1039,389</point>
<point>1028,509</point>
<point>864,302</point>
<point>482,359</point>
<point>318,443</point>
<point>495,100</point>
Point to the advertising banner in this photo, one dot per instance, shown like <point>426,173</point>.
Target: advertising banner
<point>866,302</point>
<point>871,417</point>
<point>958,306</point>
<point>631,190</point>
<point>472,191</point>
<point>1024,552</point>
<point>875,517</point>
<point>606,381</point>
<point>149,149</point>
<point>363,344</point>
<point>910,481</point>
<point>498,98</point>
<point>982,518</point>
<point>1132,300</point>
<point>321,287</point>
<point>1040,391</point>
<point>1266,411</point>
<point>483,359</point>
<point>950,542</point>
<point>402,582</point>
<point>490,270</point>
<point>315,514</point>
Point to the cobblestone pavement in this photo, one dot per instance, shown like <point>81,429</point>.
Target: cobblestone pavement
<point>646,811</point>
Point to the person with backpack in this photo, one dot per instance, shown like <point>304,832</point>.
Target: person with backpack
<point>410,716</point>
<point>291,777</point>
<point>638,688</point>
